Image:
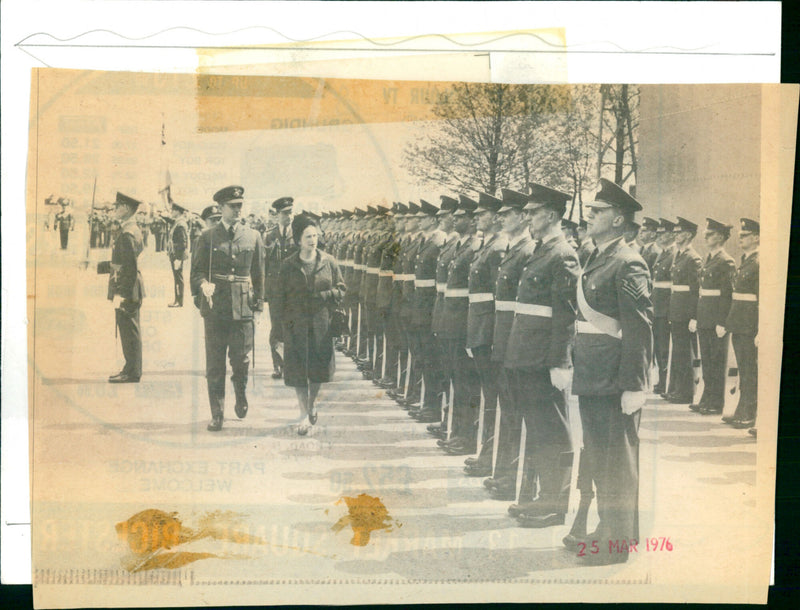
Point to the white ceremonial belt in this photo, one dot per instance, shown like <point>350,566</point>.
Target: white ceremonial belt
<point>481,297</point>
<point>710,292</point>
<point>385,273</point>
<point>349,261</point>
<point>424,283</point>
<point>404,277</point>
<point>456,292</point>
<point>662,285</point>
<point>505,305</point>
<point>373,270</point>
<point>587,328</point>
<point>359,267</point>
<point>441,286</point>
<point>680,288</point>
<point>745,296</point>
<point>530,309</point>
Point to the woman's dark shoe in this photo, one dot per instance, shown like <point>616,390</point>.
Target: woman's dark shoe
<point>312,415</point>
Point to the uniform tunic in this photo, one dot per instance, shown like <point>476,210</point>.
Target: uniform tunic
<point>662,287</point>
<point>685,277</point>
<point>177,249</point>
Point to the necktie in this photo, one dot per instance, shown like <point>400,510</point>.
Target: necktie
<point>230,232</point>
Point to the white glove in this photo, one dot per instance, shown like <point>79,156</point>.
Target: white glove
<point>632,402</point>
<point>207,287</point>
<point>755,340</point>
<point>560,378</point>
<point>279,349</point>
<point>692,326</point>
<point>177,264</point>
<point>721,330</point>
<point>469,352</point>
<point>117,301</point>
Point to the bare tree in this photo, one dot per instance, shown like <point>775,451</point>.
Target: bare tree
<point>483,136</point>
<point>617,137</point>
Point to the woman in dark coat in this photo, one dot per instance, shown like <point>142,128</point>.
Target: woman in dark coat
<point>310,286</point>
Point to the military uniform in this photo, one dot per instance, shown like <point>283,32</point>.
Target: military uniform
<point>612,356</point>
<point>177,249</point>
<point>480,328</point>
<point>716,287</point>
<point>65,225</point>
<point>742,323</point>
<point>685,290</point>
<point>279,246</point>
<point>466,388</point>
<point>406,278</point>
<point>125,281</point>
<point>232,259</point>
<point>662,289</point>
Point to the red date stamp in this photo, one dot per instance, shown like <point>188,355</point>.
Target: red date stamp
<point>593,547</point>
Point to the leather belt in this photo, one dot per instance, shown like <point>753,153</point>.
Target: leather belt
<point>745,296</point>
<point>481,297</point>
<point>457,293</point>
<point>231,278</point>
<point>680,288</point>
<point>530,309</point>
<point>424,283</point>
<point>710,292</point>
<point>505,305</point>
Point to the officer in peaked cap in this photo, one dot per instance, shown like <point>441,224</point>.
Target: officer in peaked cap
<point>612,356</point>
<point>586,245</point>
<point>714,302</point>
<point>279,245</point>
<point>742,323</point>
<point>65,222</point>
<point>126,287</point>
<point>228,277</point>
<point>570,230</point>
<point>503,482</point>
<point>662,289</point>
<point>480,322</point>
<point>385,375</point>
<point>685,291</point>
<point>425,346</point>
<point>647,240</point>
<point>211,215</point>
<point>178,250</point>
<point>537,358</point>
<point>380,238</point>
<point>460,367</point>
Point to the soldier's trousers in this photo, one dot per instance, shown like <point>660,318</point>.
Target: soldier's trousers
<point>712,356</point>
<point>611,446</point>
<point>234,338</point>
<point>413,370</point>
<point>177,276</point>
<point>661,349</point>
<point>510,434</point>
<point>64,238</point>
<point>681,380</point>
<point>274,339</point>
<point>382,352</point>
<point>548,446</point>
<point>488,372</point>
<point>466,390</point>
<point>130,337</point>
<point>363,345</point>
<point>747,362</point>
<point>427,353</point>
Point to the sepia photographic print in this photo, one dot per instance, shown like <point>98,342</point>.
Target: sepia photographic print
<point>305,340</point>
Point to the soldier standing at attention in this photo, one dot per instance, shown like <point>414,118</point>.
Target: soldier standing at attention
<point>65,223</point>
<point>280,245</point>
<point>742,323</point>
<point>228,273</point>
<point>480,322</point>
<point>716,286</point>
<point>538,356</point>
<point>126,288</point>
<point>647,239</point>
<point>503,482</point>
<point>612,356</point>
<point>660,272</point>
<point>177,249</point>
<point>685,278</point>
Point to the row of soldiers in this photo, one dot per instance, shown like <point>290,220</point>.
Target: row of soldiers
<point>458,308</point>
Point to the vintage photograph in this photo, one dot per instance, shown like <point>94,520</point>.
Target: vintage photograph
<point>305,340</point>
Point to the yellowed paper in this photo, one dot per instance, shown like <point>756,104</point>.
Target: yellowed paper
<point>135,502</point>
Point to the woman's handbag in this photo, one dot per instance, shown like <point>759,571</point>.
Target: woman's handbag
<point>339,325</point>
